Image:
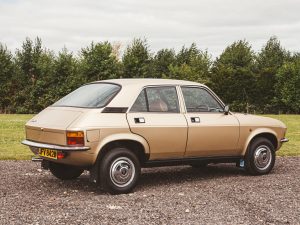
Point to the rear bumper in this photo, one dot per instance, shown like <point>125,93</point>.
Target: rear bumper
<point>283,140</point>
<point>55,147</point>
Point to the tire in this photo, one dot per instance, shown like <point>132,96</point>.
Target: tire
<point>260,157</point>
<point>119,171</point>
<point>64,172</point>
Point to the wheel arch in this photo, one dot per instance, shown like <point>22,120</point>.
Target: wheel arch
<point>265,133</point>
<point>133,142</point>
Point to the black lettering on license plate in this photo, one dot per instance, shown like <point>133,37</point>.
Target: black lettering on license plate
<point>48,153</point>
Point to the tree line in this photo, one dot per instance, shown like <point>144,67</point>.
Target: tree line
<point>34,77</point>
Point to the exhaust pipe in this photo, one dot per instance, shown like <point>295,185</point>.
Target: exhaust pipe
<point>36,159</point>
<point>44,163</point>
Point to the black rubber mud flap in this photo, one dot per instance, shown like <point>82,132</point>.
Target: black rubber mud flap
<point>94,174</point>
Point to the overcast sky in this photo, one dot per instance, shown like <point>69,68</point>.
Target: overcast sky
<point>211,24</point>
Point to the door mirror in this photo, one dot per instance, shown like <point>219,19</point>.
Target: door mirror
<point>226,109</point>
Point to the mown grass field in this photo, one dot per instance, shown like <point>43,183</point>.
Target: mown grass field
<point>12,133</point>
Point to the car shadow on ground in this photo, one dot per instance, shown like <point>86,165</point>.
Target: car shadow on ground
<point>150,177</point>
<point>82,183</point>
<point>178,175</point>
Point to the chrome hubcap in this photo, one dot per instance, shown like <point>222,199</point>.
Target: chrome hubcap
<point>122,171</point>
<point>262,157</point>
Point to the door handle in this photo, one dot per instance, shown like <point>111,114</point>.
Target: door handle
<point>139,120</point>
<point>195,119</point>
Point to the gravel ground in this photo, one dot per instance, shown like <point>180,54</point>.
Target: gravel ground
<point>218,194</point>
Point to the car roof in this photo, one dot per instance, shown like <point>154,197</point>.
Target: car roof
<point>148,82</point>
<point>132,87</point>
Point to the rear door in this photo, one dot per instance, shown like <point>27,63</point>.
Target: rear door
<point>156,116</point>
<point>210,132</point>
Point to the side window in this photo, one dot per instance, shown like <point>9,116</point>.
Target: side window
<point>140,104</point>
<point>199,100</point>
<point>157,99</point>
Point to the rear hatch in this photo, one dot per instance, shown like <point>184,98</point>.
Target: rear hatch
<point>50,125</point>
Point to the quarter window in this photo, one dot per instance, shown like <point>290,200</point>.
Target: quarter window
<point>140,104</point>
<point>200,100</point>
<point>157,99</point>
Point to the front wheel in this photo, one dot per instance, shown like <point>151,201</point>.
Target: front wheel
<point>260,157</point>
<point>119,171</point>
<point>65,172</point>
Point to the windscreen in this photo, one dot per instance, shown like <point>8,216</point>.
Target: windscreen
<point>90,96</point>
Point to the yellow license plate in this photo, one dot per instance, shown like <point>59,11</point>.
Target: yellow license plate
<point>48,153</point>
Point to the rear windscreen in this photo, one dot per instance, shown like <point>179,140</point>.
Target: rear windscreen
<point>90,96</point>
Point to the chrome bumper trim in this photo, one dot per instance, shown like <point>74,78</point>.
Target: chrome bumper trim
<point>284,140</point>
<point>56,147</point>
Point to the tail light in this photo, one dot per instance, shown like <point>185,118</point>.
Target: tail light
<point>75,138</point>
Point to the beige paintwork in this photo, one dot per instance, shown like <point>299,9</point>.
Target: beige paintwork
<point>167,131</point>
<point>251,125</point>
<point>46,135</point>
<point>163,135</point>
<point>216,134</point>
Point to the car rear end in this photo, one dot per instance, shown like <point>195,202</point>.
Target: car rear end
<point>49,135</point>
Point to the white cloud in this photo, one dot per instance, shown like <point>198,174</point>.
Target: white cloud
<point>212,24</point>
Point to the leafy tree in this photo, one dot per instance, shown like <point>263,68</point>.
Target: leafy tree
<point>33,71</point>
<point>163,59</point>
<point>269,60</point>
<point>191,64</point>
<point>137,60</point>
<point>27,59</point>
<point>6,73</point>
<point>99,62</point>
<point>65,78</point>
<point>186,55</point>
<point>201,64</point>
<point>41,86</point>
<point>288,86</point>
<point>66,73</point>
<point>233,77</point>
<point>33,77</point>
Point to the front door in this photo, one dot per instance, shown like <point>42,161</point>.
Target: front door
<point>210,131</point>
<point>156,116</point>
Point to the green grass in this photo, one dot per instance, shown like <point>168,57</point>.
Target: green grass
<point>291,148</point>
<point>12,133</point>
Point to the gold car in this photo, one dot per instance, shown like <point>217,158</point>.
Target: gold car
<point>114,127</point>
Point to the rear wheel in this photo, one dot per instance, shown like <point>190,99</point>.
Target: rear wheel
<point>65,172</point>
<point>260,157</point>
<point>119,171</point>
